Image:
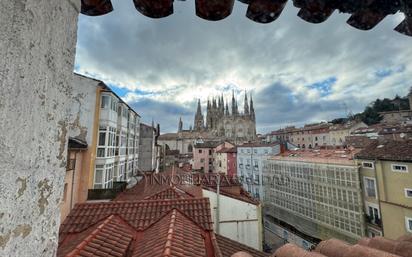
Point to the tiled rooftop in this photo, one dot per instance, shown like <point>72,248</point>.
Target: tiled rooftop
<point>112,237</point>
<point>388,150</point>
<point>139,214</point>
<point>148,220</point>
<point>344,157</point>
<point>173,235</point>
<point>366,247</point>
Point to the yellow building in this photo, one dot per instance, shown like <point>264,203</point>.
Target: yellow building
<point>386,177</point>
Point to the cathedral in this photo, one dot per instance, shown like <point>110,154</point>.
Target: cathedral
<point>219,122</point>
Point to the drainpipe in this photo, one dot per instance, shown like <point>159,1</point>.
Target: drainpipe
<point>218,204</point>
<point>72,188</point>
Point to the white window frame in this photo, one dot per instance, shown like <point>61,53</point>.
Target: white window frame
<point>377,232</point>
<point>407,219</point>
<point>400,171</point>
<point>371,168</point>
<point>406,192</point>
<point>373,205</point>
<point>365,189</point>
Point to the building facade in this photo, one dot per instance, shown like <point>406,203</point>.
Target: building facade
<point>217,124</point>
<point>387,187</point>
<point>204,154</point>
<point>236,217</point>
<point>111,130</point>
<point>316,193</point>
<point>225,161</point>
<point>250,159</point>
<point>147,141</point>
<point>75,186</point>
<point>339,132</point>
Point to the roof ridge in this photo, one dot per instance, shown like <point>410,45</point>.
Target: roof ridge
<point>169,187</point>
<point>89,238</point>
<point>170,232</point>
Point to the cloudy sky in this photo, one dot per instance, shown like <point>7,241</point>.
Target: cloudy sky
<point>297,72</point>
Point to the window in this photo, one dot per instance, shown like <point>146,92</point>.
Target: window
<point>408,192</point>
<point>370,187</point>
<point>202,160</point>
<point>373,214</point>
<point>408,222</point>
<point>399,168</point>
<point>102,138</point>
<point>98,177</point>
<point>200,150</point>
<point>367,165</point>
<point>210,152</point>
<point>254,150</point>
<point>105,101</point>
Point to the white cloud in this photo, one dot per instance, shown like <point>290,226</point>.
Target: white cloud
<point>182,57</point>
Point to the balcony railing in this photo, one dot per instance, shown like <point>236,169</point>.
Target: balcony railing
<point>374,220</point>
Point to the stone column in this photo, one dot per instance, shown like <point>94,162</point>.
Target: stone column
<point>37,50</point>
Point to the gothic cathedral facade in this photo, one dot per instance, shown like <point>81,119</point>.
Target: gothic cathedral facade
<point>219,122</point>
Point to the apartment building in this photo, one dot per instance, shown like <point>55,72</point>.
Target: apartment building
<point>225,161</point>
<point>314,194</point>
<point>204,154</point>
<point>118,141</point>
<point>250,157</point>
<point>387,187</point>
<point>339,132</point>
<point>311,136</point>
<point>109,127</point>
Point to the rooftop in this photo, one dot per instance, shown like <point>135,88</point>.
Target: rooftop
<point>257,145</point>
<point>326,156</point>
<point>148,220</point>
<point>208,144</point>
<point>227,150</point>
<point>388,150</point>
<point>376,247</point>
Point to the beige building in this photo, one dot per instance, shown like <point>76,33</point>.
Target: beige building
<point>339,132</point>
<point>314,192</point>
<point>311,136</point>
<point>75,184</point>
<point>386,177</point>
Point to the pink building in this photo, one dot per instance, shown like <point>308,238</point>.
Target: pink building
<point>225,161</point>
<point>204,154</point>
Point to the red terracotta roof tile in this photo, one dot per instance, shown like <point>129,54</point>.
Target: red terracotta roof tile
<point>367,247</point>
<point>173,235</point>
<point>112,237</point>
<point>388,150</point>
<point>139,214</point>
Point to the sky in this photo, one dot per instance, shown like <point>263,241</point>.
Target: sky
<point>297,72</point>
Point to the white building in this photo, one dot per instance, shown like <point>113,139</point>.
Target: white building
<point>118,141</point>
<point>236,217</point>
<point>250,159</point>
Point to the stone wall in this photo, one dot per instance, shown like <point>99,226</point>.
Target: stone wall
<point>37,50</point>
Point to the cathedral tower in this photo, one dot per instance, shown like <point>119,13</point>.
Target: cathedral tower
<point>199,122</point>
<point>246,106</point>
<point>252,110</point>
<point>180,125</point>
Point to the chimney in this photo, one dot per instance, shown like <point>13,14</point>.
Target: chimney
<point>283,147</point>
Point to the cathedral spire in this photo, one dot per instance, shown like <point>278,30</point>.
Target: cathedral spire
<point>246,105</point>
<point>199,122</point>
<point>252,109</point>
<point>227,109</point>
<point>180,124</point>
<point>199,108</point>
<point>233,103</point>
